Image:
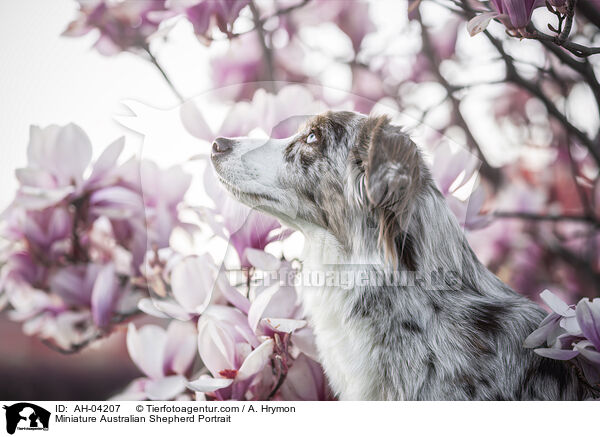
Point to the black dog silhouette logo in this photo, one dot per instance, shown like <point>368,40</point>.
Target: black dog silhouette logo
<point>26,416</point>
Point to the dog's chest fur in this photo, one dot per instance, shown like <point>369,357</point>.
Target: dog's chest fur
<point>341,340</point>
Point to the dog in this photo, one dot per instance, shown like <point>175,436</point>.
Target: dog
<point>358,189</point>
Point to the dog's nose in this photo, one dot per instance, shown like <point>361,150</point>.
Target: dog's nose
<point>222,145</point>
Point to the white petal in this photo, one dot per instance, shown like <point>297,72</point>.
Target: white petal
<point>147,306</point>
<point>181,346</point>
<point>108,159</point>
<point>104,295</point>
<point>262,260</point>
<point>146,348</point>
<point>480,22</point>
<point>41,198</point>
<point>208,384</point>
<point>570,325</point>
<point>165,388</point>
<point>556,304</point>
<point>73,152</point>
<point>256,361</point>
<point>232,294</point>
<point>285,325</point>
<point>260,304</point>
<point>194,121</point>
<point>192,281</point>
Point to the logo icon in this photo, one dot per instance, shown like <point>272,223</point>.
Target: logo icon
<point>26,416</point>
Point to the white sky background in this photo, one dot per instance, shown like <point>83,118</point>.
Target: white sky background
<point>46,79</point>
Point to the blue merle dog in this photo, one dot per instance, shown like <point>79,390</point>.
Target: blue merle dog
<point>360,193</point>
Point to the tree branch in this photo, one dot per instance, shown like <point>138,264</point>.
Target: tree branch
<point>551,218</point>
<point>163,73</point>
<point>568,22</point>
<point>493,175</point>
<point>513,76</point>
<point>269,62</point>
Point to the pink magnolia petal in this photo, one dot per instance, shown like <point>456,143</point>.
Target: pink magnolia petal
<point>570,325</point>
<point>104,296</point>
<point>556,304</point>
<point>194,122</point>
<point>305,381</point>
<point>588,316</point>
<point>540,335</point>
<point>232,294</point>
<point>35,177</point>
<point>41,145</point>
<point>304,340</point>
<point>193,283</point>
<point>285,325</point>
<point>173,309</point>
<point>180,347</point>
<point>585,349</point>
<point>215,345</point>
<point>33,198</point>
<point>262,260</point>
<point>256,361</point>
<point>556,354</point>
<point>107,161</point>
<point>260,304</point>
<point>165,388</point>
<point>480,22</point>
<point>133,392</point>
<point>207,384</point>
<point>147,306</point>
<point>73,153</point>
<point>146,348</point>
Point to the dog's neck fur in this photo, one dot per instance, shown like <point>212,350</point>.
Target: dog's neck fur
<point>462,341</point>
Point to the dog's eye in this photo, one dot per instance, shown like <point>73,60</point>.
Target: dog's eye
<point>311,138</point>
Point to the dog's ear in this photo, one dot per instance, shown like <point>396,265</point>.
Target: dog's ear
<point>391,166</point>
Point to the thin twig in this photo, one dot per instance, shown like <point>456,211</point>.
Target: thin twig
<point>547,217</point>
<point>513,76</point>
<point>269,62</point>
<point>568,22</point>
<point>164,74</point>
<point>578,50</point>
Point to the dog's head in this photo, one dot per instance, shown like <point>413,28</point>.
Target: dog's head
<point>342,171</point>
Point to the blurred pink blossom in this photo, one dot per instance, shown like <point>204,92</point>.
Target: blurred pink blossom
<point>123,25</point>
<point>77,233</point>
<point>202,13</point>
<point>165,357</point>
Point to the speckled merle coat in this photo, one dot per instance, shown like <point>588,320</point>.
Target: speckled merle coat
<point>358,189</point>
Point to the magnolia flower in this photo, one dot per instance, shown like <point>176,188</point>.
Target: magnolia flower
<point>77,232</point>
<point>275,306</point>
<point>202,12</point>
<point>571,333</point>
<point>231,352</point>
<point>195,283</point>
<point>514,14</point>
<point>305,381</point>
<point>165,357</point>
<point>123,25</point>
<point>354,21</point>
<point>92,285</point>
